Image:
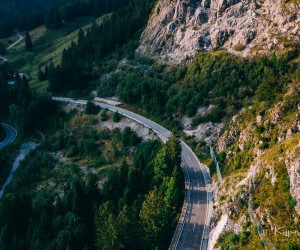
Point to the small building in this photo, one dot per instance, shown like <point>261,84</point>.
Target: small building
<point>12,78</point>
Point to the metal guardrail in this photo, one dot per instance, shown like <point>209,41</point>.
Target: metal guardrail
<point>213,156</point>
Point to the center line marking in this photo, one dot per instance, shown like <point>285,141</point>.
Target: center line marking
<point>194,227</point>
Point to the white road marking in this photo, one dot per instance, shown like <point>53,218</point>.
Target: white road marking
<point>193,161</point>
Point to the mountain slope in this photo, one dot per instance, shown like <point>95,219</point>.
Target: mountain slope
<point>177,29</point>
<point>260,163</point>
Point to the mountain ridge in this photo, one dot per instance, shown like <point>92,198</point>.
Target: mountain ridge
<point>177,29</point>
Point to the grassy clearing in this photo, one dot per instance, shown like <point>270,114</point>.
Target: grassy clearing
<point>48,46</point>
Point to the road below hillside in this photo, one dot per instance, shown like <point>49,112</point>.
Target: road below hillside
<point>11,135</point>
<point>192,230</point>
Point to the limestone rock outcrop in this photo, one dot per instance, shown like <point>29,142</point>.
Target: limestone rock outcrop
<point>179,28</point>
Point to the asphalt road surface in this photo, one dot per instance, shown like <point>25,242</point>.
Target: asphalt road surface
<point>11,135</point>
<point>194,231</point>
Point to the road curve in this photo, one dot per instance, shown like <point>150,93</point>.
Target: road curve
<point>11,135</point>
<point>192,230</point>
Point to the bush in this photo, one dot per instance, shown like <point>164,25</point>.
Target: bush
<point>117,117</point>
<point>239,47</point>
<point>104,116</point>
<point>91,108</point>
<point>291,246</point>
<point>292,202</point>
<point>259,130</point>
<point>215,116</point>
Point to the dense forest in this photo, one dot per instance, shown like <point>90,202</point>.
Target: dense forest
<point>26,15</point>
<point>25,108</point>
<point>78,61</point>
<point>222,80</point>
<point>92,188</point>
<point>20,105</point>
<point>114,191</point>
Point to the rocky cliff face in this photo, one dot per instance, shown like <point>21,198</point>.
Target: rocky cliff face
<point>265,148</point>
<point>177,29</point>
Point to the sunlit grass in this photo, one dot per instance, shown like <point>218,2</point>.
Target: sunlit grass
<point>48,47</point>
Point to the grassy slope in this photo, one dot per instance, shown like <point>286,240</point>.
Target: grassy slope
<point>48,46</point>
<point>272,200</point>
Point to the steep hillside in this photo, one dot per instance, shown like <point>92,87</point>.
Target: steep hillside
<point>229,96</point>
<point>260,163</point>
<point>177,29</point>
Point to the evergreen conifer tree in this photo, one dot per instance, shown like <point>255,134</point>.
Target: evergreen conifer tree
<point>28,42</point>
<point>2,49</point>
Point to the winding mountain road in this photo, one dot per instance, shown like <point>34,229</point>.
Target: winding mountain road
<point>11,135</point>
<point>192,230</point>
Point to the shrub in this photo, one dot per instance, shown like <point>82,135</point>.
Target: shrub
<point>91,108</point>
<point>291,246</point>
<point>239,47</point>
<point>104,116</point>
<point>117,117</point>
<point>292,202</point>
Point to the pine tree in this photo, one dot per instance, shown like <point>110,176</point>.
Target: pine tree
<point>48,19</point>
<point>2,49</point>
<point>81,39</point>
<point>28,43</point>
<point>106,229</point>
<point>98,9</point>
<point>41,75</point>
<point>57,22</point>
<point>152,218</point>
